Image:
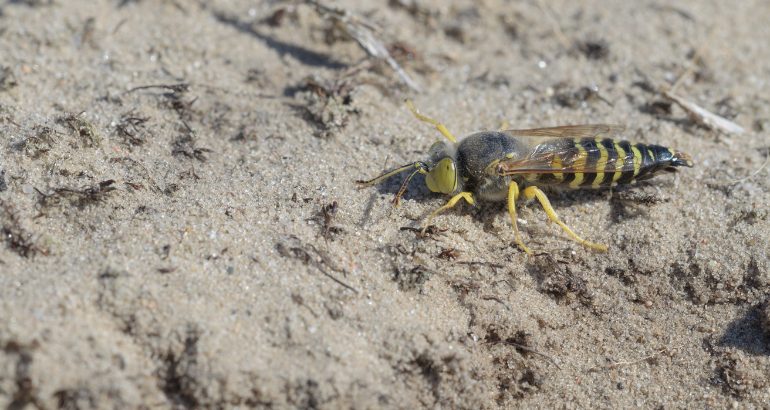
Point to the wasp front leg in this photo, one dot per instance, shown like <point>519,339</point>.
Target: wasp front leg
<point>452,202</point>
<point>535,192</point>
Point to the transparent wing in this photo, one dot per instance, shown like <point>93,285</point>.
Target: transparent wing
<point>546,158</point>
<point>569,131</point>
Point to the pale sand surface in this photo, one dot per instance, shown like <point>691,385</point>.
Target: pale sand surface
<point>181,288</point>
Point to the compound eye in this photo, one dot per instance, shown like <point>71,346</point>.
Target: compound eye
<point>444,177</point>
<point>431,183</point>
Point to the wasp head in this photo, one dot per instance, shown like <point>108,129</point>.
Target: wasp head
<point>442,169</point>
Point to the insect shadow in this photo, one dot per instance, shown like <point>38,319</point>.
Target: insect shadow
<point>417,190</point>
<point>302,54</point>
<point>481,211</point>
<point>746,333</point>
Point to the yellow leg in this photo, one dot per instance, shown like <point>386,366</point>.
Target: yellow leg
<point>533,192</point>
<point>513,195</point>
<point>503,126</point>
<point>439,126</point>
<point>452,202</point>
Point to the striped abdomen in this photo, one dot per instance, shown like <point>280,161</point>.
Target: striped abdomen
<point>597,162</point>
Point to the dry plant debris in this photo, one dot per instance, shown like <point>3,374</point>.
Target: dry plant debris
<point>363,31</point>
<point>699,114</point>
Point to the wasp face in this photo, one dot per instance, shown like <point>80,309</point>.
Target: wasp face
<point>443,177</point>
<point>442,169</point>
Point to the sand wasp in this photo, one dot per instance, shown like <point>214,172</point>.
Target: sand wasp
<point>499,165</point>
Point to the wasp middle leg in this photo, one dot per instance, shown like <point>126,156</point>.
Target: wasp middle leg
<point>535,192</point>
<point>513,195</point>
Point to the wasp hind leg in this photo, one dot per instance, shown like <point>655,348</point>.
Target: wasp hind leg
<point>452,202</point>
<point>439,126</point>
<point>535,192</point>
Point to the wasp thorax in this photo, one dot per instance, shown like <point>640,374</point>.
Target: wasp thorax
<point>443,177</point>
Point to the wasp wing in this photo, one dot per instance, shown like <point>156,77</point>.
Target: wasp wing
<point>569,131</point>
<point>550,158</point>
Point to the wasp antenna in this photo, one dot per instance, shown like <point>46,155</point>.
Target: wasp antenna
<point>388,174</point>
<point>396,200</point>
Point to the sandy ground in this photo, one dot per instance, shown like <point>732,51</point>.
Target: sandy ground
<point>166,247</point>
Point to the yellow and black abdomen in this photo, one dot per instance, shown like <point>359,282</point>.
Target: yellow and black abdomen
<point>599,162</point>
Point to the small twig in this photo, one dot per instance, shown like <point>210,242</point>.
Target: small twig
<point>154,184</point>
<point>491,265</point>
<point>399,247</point>
<point>531,350</point>
<point>119,25</point>
<point>95,192</point>
<point>498,300</point>
<point>362,30</point>
<point>308,257</point>
<point>699,114</point>
<point>449,265</point>
<point>462,262</point>
<point>693,62</point>
<point>625,363</point>
<point>738,181</point>
<point>513,288</point>
<point>326,261</point>
<point>639,198</point>
<point>429,231</point>
<point>45,196</point>
<point>174,88</point>
<point>704,117</point>
<point>554,24</point>
<point>298,299</point>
